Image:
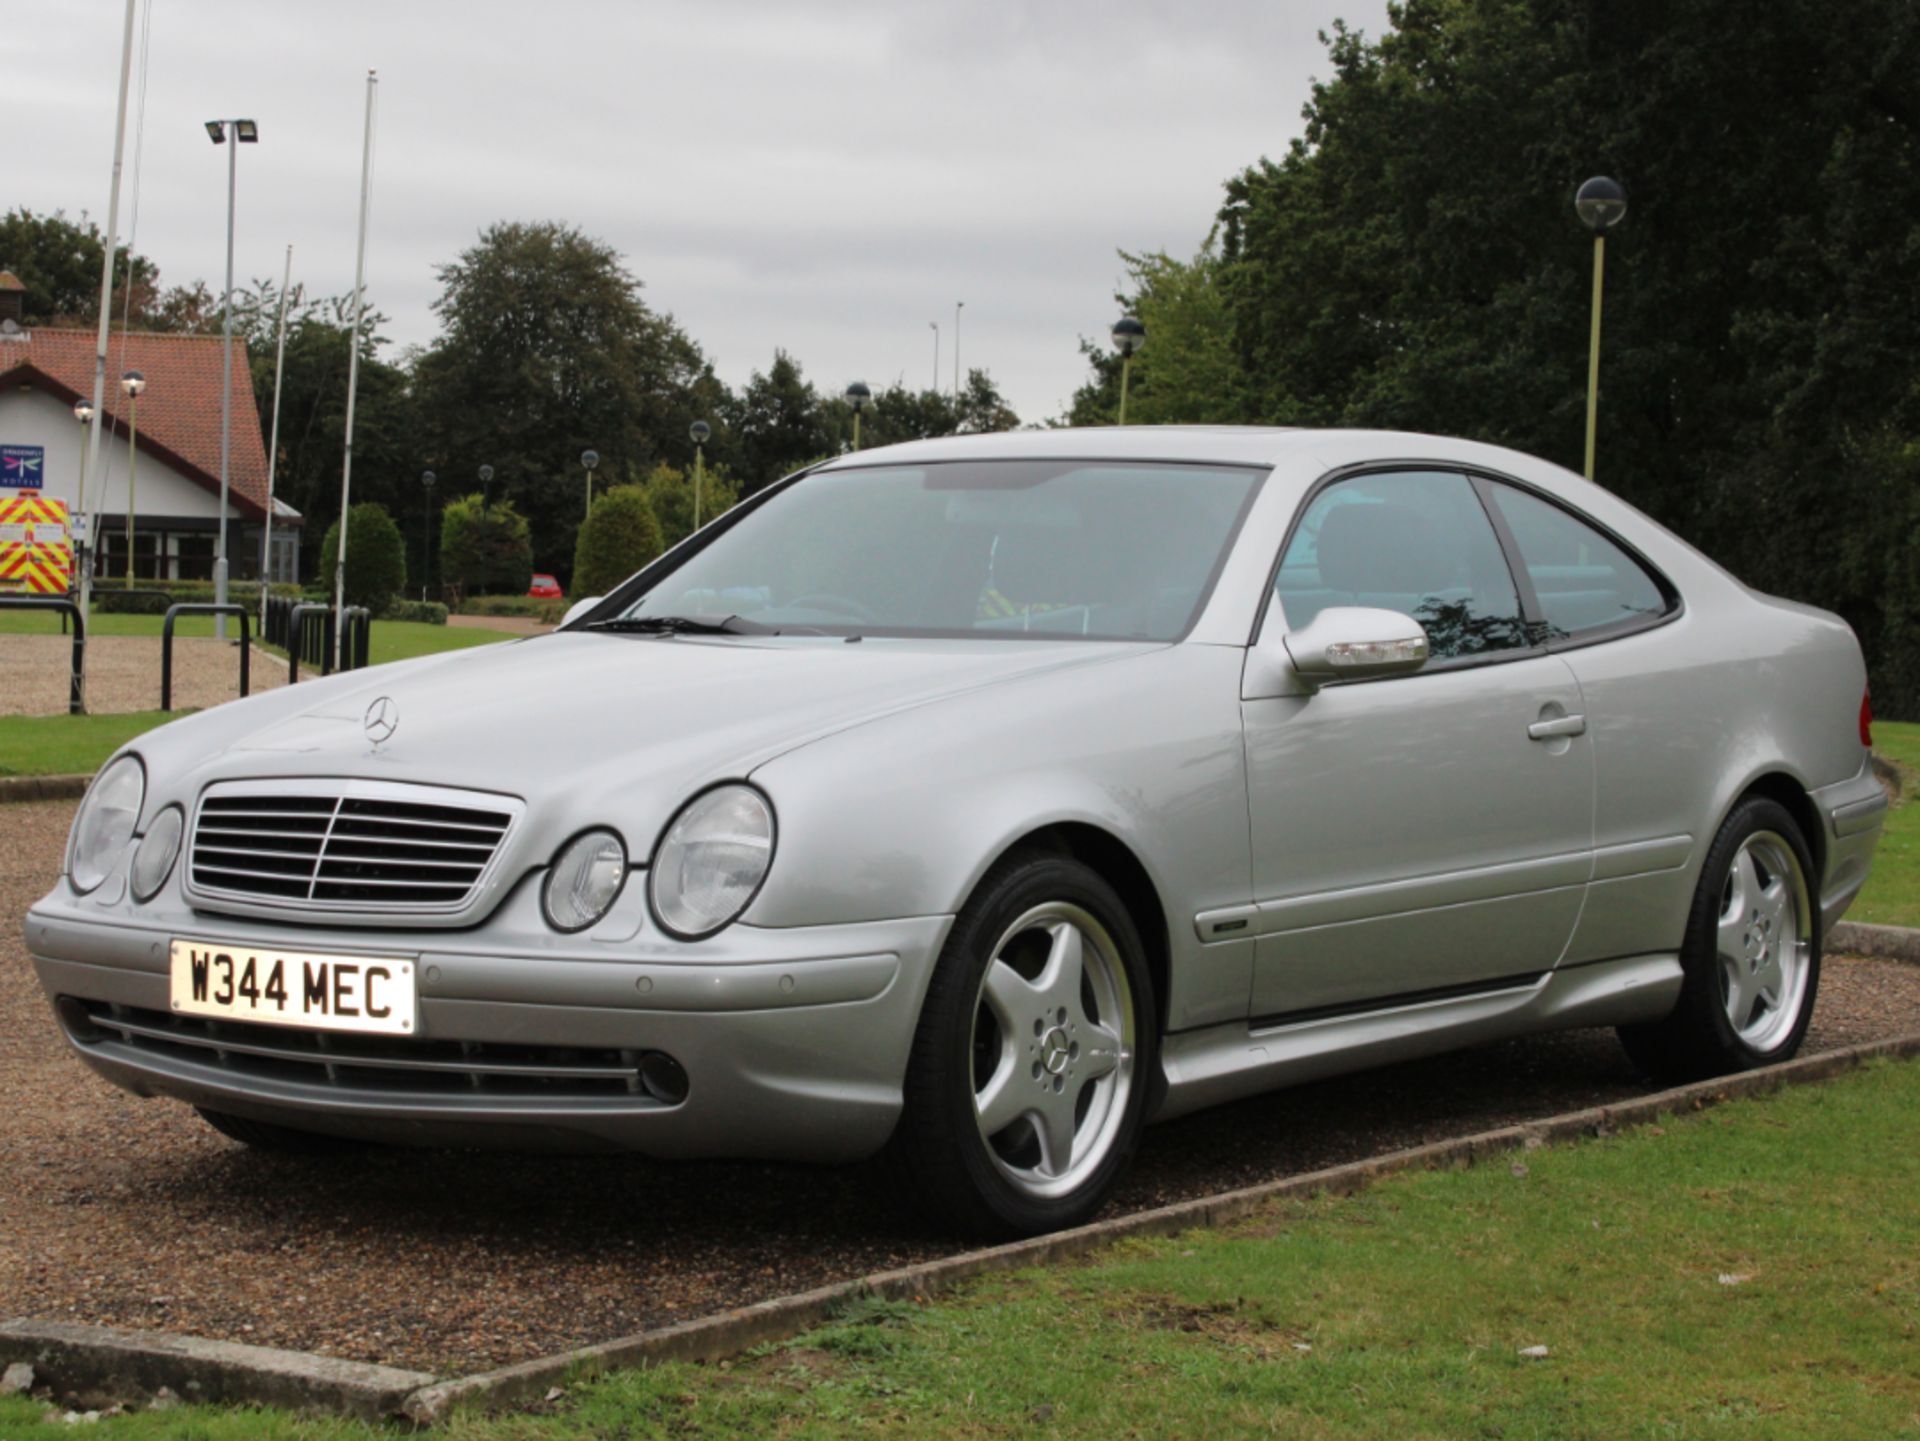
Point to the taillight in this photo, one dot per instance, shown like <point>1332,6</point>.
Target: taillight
<point>1866,719</point>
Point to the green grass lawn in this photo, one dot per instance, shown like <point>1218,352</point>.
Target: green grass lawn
<point>1753,1271</point>
<point>66,745</point>
<point>1892,893</point>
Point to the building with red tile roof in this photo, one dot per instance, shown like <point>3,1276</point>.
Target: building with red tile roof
<point>176,477</point>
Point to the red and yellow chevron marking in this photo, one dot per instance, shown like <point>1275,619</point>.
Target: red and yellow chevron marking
<point>35,549</point>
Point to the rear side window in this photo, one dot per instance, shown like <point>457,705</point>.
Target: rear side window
<point>1585,583</point>
<point>1417,542</point>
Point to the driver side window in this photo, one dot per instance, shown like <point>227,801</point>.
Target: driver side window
<point>1417,542</point>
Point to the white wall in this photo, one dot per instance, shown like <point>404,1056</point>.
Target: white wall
<point>33,417</point>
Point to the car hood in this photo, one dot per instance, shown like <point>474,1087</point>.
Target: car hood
<point>590,728</point>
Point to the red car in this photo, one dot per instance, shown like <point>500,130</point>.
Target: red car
<point>544,587</point>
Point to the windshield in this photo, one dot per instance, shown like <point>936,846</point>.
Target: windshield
<point>1094,549</point>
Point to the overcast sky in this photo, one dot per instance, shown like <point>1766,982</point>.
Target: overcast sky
<point>825,178</point>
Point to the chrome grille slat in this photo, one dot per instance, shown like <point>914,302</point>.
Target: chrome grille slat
<point>347,1061</point>
<point>338,846</point>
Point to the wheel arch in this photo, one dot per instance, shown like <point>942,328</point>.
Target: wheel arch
<point>1787,791</point>
<point>1120,868</point>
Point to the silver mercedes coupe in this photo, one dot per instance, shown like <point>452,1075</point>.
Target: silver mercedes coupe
<point>981,800</point>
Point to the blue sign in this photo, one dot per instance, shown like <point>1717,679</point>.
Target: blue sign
<point>22,467</point>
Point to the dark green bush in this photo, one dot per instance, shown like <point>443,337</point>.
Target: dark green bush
<point>521,605</point>
<point>376,557</point>
<point>485,550</point>
<point>428,612</point>
<point>621,534</point>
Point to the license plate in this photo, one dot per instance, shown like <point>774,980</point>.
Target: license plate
<point>292,988</point>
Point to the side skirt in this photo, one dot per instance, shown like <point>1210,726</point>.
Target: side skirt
<point>1227,1062</point>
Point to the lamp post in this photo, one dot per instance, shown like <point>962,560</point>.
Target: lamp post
<point>934,325</point>
<point>1601,204</point>
<point>588,460</point>
<point>1128,336</point>
<point>958,306</point>
<point>859,396</point>
<point>486,489</point>
<point>701,433</point>
<point>133,382</point>
<point>245,132</point>
<point>427,479</point>
<point>77,521</point>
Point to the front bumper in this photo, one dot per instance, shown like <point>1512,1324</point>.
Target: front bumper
<point>794,1043</point>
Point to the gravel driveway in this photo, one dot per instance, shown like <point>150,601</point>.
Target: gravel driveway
<point>133,1213</point>
<point>123,673</point>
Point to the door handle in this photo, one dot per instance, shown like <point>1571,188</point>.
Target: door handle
<point>1566,725</point>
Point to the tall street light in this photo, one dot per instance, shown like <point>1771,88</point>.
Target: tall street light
<point>245,132</point>
<point>427,480</point>
<point>934,325</point>
<point>1128,336</point>
<point>77,522</point>
<point>859,396</point>
<point>701,433</point>
<point>1601,204</point>
<point>133,382</point>
<point>486,489</point>
<point>958,306</point>
<point>588,460</point>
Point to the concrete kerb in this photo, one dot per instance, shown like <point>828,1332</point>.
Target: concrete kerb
<point>1882,943</point>
<point>100,1364</point>
<point>730,1333</point>
<point>43,788</point>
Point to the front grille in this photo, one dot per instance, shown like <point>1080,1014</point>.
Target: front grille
<point>399,1066</point>
<point>346,845</point>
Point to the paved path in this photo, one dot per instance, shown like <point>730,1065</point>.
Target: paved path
<point>123,673</point>
<point>511,624</point>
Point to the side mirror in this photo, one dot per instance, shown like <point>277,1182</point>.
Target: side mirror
<point>1340,643</point>
<point>578,609</point>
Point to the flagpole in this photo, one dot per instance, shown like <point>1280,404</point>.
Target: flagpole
<point>273,446</point>
<point>106,315</point>
<point>353,378</point>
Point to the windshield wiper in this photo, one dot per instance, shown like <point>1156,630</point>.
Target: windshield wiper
<point>683,625</point>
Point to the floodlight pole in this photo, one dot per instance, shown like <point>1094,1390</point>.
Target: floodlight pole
<point>273,446</point>
<point>226,392</point>
<point>353,377</point>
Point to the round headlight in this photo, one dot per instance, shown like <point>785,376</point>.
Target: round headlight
<point>106,821</point>
<point>711,861</point>
<point>153,857</point>
<point>583,880</point>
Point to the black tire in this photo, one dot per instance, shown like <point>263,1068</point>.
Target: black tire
<point>1699,1038</point>
<point>938,1154</point>
<point>266,1136</point>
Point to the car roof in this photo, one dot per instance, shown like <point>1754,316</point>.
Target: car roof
<point>1219,444</point>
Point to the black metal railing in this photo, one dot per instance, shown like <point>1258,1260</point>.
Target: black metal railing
<point>305,631</point>
<point>76,704</point>
<point>174,612</point>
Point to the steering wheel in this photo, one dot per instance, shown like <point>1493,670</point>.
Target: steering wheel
<point>837,604</point>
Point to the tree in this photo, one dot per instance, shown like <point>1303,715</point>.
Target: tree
<point>620,535</point>
<point>547,350</point>
<point>1188,373</point>
<point>376,557</point>
<point>59,263</point>
<point>777,424</point>
<point>1413,262</point>
<point>484,549</point>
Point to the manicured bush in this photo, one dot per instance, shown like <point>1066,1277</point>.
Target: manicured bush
<point>527,606</point>
<point>376,557</point>
<point>670,493</point>
<point>620,535</point>
<point>108,601</point>
<point>485,548</point>
<point>427,612</point>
